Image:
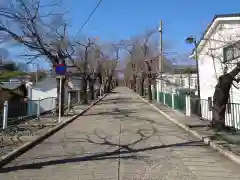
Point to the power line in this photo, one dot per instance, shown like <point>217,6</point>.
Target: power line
<point>90,15</point>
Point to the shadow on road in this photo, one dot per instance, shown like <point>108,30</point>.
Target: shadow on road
<point>122,151</point>
<point>100,156</point>
<point>118,101</point>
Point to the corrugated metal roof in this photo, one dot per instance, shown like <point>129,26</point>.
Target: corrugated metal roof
<point>11,85</point>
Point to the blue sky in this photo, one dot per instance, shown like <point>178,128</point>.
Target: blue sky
<point>122,19</point>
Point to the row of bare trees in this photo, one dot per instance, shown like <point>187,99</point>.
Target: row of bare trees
<point>96,62</point>
<point>142,63</point>
<point>44,36</point>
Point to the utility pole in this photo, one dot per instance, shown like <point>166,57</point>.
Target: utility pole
<point>161,53</point>
<point>189,84</point>
<point>181,80</point>
<point>37,67</point>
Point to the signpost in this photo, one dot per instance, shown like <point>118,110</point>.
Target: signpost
<point>60,70</point>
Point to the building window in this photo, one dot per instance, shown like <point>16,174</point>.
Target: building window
<point>231,52</point>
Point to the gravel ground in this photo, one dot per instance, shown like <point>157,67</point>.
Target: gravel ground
<point>15,136</point>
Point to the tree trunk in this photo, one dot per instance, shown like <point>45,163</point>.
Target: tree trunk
<point>221,96</point>
<point>85,77</point>
<point>149,89</point>
<point>109,83</point>
<point>142,86</point>
<point>220,100</point>
<point>134,83</point>
<point>62,96</point>
<point>85,95</point>
<point>91,88</point>
<point>105,86</point>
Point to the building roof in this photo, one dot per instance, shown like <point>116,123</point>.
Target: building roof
<point>11,85</point>
<point>181,67</point>
<point>210,25</point>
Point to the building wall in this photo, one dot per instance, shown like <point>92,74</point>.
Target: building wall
<point>46,99</point>
<point>210,65</point>
<point>45,93</point>
<point>172,82</point>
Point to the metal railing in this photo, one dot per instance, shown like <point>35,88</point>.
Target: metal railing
<point>45,109</point>
<point>20,111</point>
<point>201,108</point>
<point>232,113</point>
<point>232,116</point>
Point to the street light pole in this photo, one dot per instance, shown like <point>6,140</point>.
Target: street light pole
<point>192,40</point>
<point>196,57</point>
<point>161,54</point>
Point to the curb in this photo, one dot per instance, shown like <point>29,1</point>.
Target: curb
<point>233,157</point>
<point>29,145</point>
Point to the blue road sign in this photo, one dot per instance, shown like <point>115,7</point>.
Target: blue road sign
<point>61,69</point>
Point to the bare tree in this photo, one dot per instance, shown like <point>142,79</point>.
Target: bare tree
<point>136,55</point>
<point>110,60</point>
<point>128,74</point>
<point>131,48</point>
<point>95,69</point>
<point>141,54</point>
<point>26,24</point>
<point>151,74</point>
<point>84,50</point>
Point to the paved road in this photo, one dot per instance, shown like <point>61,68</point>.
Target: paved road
<point>121,138</point>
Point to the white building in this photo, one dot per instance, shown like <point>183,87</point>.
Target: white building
<point>180,83</point>
<point>174,81</point>
<point>44,93</point>
<point>223,31</point>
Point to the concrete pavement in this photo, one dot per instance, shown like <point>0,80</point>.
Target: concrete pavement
<point>121,138</point>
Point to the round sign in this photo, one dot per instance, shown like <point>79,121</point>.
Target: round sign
<point>61,69</point>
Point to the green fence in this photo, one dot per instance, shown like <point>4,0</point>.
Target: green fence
<point>161,97</point>
<point>168,99</point>
<point>180,102</point>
